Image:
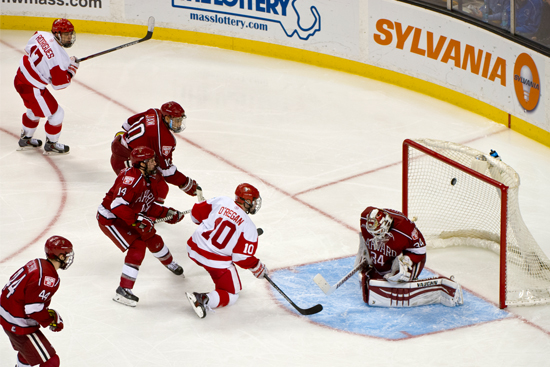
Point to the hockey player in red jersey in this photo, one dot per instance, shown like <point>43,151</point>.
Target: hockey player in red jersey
<point>25,301</point>
<point>394,253</point>
<point>46,62</point>
<point>226,237</point>
<point>154,128</point>
<point>127,216</point>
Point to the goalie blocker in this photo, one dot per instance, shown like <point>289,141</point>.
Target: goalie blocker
<point>379,292</point>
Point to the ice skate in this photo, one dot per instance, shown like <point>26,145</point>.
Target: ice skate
<point>198,301</point>
<point>55,148</point>
<point>27,143</point>
<point>175,268</point>
<point>126,297</point>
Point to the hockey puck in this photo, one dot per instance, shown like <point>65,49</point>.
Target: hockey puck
<point>453,181</point>
<point>260,231</point>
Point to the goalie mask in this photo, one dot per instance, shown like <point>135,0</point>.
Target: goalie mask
<point>248,197</point>
<point>173,115</point>
<point>378,223</point>
<point>57,246</point>
<point>63,31</point>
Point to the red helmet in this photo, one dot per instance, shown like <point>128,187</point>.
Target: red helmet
<point>248,197</point>
<point>60,26</point>
<point>140,154</point>
<point>378,222</point>
<point>176,115</point>
<point>57,246</point>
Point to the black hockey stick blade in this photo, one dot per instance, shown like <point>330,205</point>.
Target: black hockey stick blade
<point>148,36</point>
<point>308,311</point>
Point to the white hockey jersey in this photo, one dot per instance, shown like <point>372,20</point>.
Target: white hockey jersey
<point>225,235</point>
<point>46,62</point>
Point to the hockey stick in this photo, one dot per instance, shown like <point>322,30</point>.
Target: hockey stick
<point>326,288</point>
<point>308,311</point>
<point>148,36</point>
<point>168,217</point>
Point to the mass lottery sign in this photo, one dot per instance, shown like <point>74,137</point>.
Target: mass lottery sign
<point>326,26</point>
<point>459,56</point>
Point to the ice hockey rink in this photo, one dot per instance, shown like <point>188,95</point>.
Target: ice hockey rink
<point>321,146</point>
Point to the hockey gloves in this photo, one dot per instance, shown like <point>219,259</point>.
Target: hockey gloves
<point>57,322</point>
<point>259,270</point>
<point>401,270</point>
<point>145,226</point>
<point>73,66</point>
<point>175,216</point>
<point>190,187</point>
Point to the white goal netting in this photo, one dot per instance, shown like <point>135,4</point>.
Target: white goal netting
<point>452,206</point>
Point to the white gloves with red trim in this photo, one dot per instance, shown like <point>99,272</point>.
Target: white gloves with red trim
<point>73,66</point>
<point>259,270</point>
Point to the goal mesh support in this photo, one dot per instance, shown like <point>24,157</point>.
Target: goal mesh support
<point>459,196</point>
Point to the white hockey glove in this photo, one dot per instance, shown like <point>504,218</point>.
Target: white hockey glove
<point>401,270</point>
<point>73,67</point>
<point>259,270</point>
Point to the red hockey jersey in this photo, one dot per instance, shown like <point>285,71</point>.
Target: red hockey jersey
<point>148,129</point>
<point>27,296</point>
<point>225,235</point>
<point>403,237</point>
<point>130,195</point>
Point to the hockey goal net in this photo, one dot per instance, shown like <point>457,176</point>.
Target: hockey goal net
<point>460,196</point>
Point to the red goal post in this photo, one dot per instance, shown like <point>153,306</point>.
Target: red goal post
<point>459,196</point>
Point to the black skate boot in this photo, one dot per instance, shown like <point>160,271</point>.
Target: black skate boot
<point>55,148</point>
<point>126,297</point>
<point>199,303</point>
<point>27,142</point>
<point>175,268</point>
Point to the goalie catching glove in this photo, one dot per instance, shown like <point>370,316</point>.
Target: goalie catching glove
<point>401,270</point>
<point>259,270</point>
<point>57,322</point>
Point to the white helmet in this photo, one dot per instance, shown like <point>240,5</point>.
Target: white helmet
<point>378,223</point>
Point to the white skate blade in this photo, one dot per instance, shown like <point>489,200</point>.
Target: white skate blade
<point>28,148</point>
<point>55,153</point>
<point>201,313</point>
<point>323,284</point>
<point>125,301</point>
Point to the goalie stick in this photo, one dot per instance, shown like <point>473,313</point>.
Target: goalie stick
<point>327,289</point>
<point>148,36</point>
<point>308,311</point>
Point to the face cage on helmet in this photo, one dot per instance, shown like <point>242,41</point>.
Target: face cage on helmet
<point>65,264</point>
<point>255,206</point>
<point>59,39</point>
<point>176,120</point>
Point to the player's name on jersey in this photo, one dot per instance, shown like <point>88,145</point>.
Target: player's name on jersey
<point>231,215</point>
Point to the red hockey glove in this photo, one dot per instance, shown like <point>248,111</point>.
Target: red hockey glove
<point>57,322</point>
<point>145,226</point>
<point>190,187</point>
<point>176,216</point>
<point>259,270</point>
<point>73,67</point>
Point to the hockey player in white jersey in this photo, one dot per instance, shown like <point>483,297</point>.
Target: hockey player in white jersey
<point>226,237</point>
<point>46,62</point>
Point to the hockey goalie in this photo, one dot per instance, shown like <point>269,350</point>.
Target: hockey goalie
<point>393,252</point>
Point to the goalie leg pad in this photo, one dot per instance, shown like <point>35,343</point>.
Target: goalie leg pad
<point>410,294</point>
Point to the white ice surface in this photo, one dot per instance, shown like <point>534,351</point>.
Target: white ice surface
<point>320,145</point>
